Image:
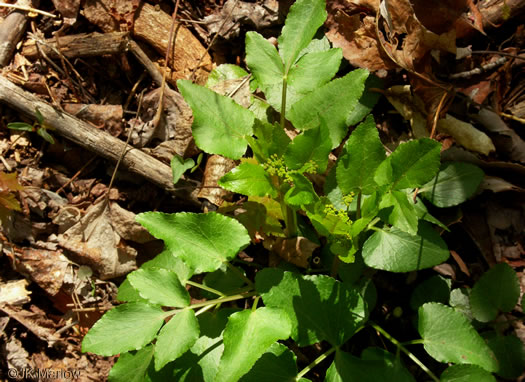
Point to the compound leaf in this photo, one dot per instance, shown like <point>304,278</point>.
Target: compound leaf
<point>220,126</point>
<point>247,336</point>
<point>320,307</point>
<point>302,22</point>
<point>202,241</point>
<point>176,337</point>
<point>398,251</point>
<point>138,320</point>
<point>497,290</point>
<point>448,336</point>
<point>333,102</point>
<point>277,364</point>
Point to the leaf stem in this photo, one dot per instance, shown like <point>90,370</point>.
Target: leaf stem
<point>283,102</point>
<point>316,362</point>
<point>236,270</point>
<point>358,209</point>
<point>223,299</point>
<point>405,350</point>
<point>204,287</point>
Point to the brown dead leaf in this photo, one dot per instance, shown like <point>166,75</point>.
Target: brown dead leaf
<point>94,241</point>
<point>107,117</point>
<point>295,250</point>
<point>216,167</point>
<point>14,293</point>
<point>68,9</point>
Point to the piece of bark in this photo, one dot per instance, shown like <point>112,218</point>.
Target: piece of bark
<point>95,140</point>
<point>12,30</point>
<point>498,12</point>
<point>153,26</point>
<point>79,45</point>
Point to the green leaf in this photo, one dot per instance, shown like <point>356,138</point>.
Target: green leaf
<point>224,280</point>
<point>302,193</point>
<point>179,165</point>
<point>367,101</point>
<point>398,251</point>
<point>449,337</point>
<point>510,354</point>
<point>39,117</point>
<point>460,301</point>
<point>202,241</point>
<point>22,126</point>
<point>139,321</point>
<point>411,165</point>
<point>312,145</point>
<point>163,260</point>
<point>277,364</point>
<point>382,366</point>
<point>363,154</point>
<point>201,362</point>
<point>271,139</point>
<point>423,214</point>
<point>454,183</point>
<point>248,179</point>
<point>302,22</point>
<point>497,290</point>
<point>333,102</point>
<point>132,367</point>
<point>247,336</point>
<point>176,337</point>
<point>160,286</point>
<point>466,373</point>
<point>44,134</point>
<point>320,307</point>
<point>220,126</point>
<point>398,209</point>
<point>434,289</point>
<point>225,72</point>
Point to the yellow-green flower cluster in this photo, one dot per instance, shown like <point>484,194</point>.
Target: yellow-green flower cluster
<point>329,209</point>
<point>275,167</point>
<point>348,199</point>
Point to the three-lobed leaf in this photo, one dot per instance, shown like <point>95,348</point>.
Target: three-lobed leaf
<point>202,241</point>
<point>247,336</point>
<point>179,165</point>
<point>220,126</point>
<point>332,102</point>
<point>448,336</point>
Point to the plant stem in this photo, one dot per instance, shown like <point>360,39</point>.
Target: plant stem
<point>223,299</point>
<point>358,209</point>
<point>414,342</point>
<point>405,350</point>
<point>283,102</point>
<point>235,270</point>
<point>316,362</point>
<point>204,287</point>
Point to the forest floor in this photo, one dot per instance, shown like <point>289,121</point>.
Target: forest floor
<point>62,258</point>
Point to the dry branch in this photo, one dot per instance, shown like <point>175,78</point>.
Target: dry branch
<point>95,140</point>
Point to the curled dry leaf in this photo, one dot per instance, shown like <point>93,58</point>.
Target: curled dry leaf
<point>296,250</point>
<point>216,167</point>
<point>46,268</point>
<point>95,241</point>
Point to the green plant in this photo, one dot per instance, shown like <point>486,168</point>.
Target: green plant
<point>39,126</point>
<point>370,215</point>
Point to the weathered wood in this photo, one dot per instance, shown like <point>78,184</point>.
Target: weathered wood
<point>95,140</point>
<point>79,45</point>
<point>153,26</point>
<point>495,12</point>
<point>11,31</point>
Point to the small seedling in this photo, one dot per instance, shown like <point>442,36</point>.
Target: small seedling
<point>39,126</point>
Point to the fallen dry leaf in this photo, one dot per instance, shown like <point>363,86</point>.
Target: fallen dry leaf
<point>295,250</point>
<point>216,167</point>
